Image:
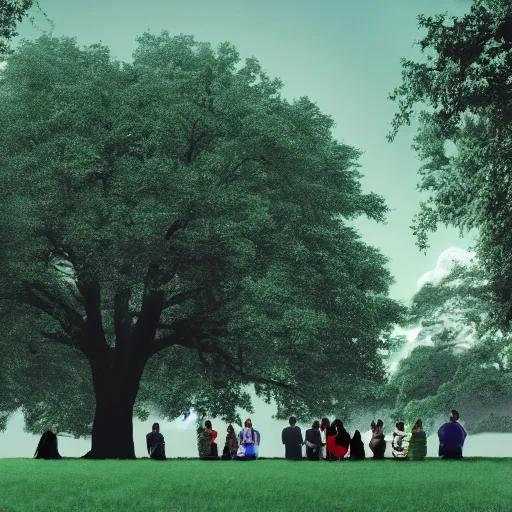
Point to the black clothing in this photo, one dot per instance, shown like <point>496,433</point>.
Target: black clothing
<point>357,448</point>
<point>47,447</point>
<point>292,440</point>
<point>156,445</point>
<point>313,437</point>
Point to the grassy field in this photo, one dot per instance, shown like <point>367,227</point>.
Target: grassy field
<point>265,485</point>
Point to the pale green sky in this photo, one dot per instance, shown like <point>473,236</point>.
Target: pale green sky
<point>343,54</point>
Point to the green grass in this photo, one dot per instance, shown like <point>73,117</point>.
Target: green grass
<point>265,485</point>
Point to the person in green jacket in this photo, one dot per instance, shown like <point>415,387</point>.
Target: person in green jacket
<point>418,443</point>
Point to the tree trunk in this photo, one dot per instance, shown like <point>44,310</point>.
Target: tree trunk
<point>116,384</point>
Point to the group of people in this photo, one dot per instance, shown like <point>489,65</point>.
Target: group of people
<point>323,441</point>
<point>332,441</point>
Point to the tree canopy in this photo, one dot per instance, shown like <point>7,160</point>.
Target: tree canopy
<point>12,12</point>
<point>178,210</point>
<point>461,92</point>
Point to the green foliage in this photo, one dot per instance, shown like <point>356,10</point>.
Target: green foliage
<point>183,175</point>
<point>463,88</point>
<point>12,12</point>
<point>492,423</point>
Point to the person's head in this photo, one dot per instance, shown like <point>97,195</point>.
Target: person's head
<point>418,425</point>
<point>208,424</point>
<point>454,416</point>
<point>400,426</point>
<point>325,423</point>
<point>292,421</point>
<point>380,423</point>
<point>55,429</point>
<point>357,435</point>
<point>155,427</point>
<point>316,424</point>
<point>230,428</point>
<point>248,423</point>
<point>338,424</point>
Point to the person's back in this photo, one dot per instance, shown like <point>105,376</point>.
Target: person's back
<point>313,442</point>
<point>357,447</point>
<point>451,438</point>
<point>400,444</point>
<point>249,440</point>
<point>418,443</point>
<point>155,443</point>
<point>292,440</point>
<point>47,447</point>
<point>378,442</point>
<point>338,440</point>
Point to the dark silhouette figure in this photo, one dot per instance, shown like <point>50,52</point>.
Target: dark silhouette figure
<point>155,443</point>
<point>418,444</point>
<point>451,438</point>
<point>357,447</point>
<point>47,447</point>
<point>231,445</point>
<point>292,440</point>
<point>338,440</point>
<point>212,436</point>
<point>313,442</point>
<point>378,443</point>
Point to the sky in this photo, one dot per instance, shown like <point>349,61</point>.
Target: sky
<point>344,55</point>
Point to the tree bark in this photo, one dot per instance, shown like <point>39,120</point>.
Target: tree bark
<point>116,384</point>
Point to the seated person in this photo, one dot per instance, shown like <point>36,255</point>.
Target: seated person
<point>249,440</point>
<point>212,436</point>
<point>292,440</point>
<point>418,444</point>
<point>203,443</point>
<point>338,440</point>
<point>357,447</point>
<point>324,426</point>
<point>155,443</point>
<point>377,442</point>
<point>313,442</point>
<point>451,438</point>
<point>47,447</point>
<point>231,445</point>
<point>400,443</point>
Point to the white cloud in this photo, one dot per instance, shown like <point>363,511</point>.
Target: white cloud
<point>445,264</point>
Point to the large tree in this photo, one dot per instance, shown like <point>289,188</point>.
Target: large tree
<point>174,226</point>
<point>462,91</point>
<point>12,13</point>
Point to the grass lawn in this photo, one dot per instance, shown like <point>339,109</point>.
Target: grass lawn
<point>264,485</point>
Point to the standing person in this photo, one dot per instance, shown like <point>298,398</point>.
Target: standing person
<point>377,442</point>
<point>418,444</point>
<point>324,426</point>
<point>212,436</point>
<point>357,447</point>
<point>292,440</point>
<point>249,442</point>
<point>400,443</point>
<point>155,443</point>
<point>231,445</point>
<point>451,437</point>
<point>313,442</point>
<point>47,447</point>
<point>338,440</point>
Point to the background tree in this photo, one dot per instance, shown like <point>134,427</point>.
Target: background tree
<point>462,361</point>
<point>176,228</point>
<point>462,92</point>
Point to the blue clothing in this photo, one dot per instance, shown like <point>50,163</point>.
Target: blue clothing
<point>451,440</point>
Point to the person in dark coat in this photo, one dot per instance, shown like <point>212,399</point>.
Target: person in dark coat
<point>47,447</point>
<point>313,442</point>
<point>418,444</point>
<point>231,446</point>
<point>212,436</point>
<point>378,442</point>
<point>357,447</point>
<point>292,440</point>
<point>155,443</point>
<point>451,438</point>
